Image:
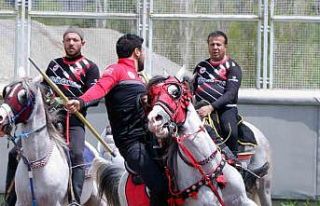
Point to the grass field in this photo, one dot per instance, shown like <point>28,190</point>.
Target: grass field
<point>295,203</point>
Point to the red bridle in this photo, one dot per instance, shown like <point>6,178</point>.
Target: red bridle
<point>173,96</point>
<point>20,99</point>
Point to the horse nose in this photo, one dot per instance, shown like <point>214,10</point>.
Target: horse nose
<point>158,117</point>
<point>155,117</point>
<point>3,116</point>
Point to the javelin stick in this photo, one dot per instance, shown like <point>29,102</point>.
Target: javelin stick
<point>77,113</point>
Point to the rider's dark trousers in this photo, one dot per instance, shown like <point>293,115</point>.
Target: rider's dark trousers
<point>139,159</point>
<point>10,196</point>
<point>77,142</point>
<point>228,123</point>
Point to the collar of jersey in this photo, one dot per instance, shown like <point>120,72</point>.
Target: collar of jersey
<point>128,62</point>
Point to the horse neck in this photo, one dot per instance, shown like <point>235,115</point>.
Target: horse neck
<point>199,140</point>
<point>36,145</point>
<point>199,143</point>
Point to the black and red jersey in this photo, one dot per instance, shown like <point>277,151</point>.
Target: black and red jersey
<point>217,83</point>
<point>73,77</point>
<point>122,87</point>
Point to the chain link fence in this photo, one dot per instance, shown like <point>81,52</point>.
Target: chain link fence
<point>276,43</point>
<point>295,44</point>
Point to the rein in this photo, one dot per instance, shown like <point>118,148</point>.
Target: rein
<point>25,135</point>
<point>206,180</point>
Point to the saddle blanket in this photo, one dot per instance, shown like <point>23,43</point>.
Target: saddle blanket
<point>136,195</point>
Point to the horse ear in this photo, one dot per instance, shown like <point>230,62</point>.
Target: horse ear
<point>37,79</point>
<point>21,72</point>
<point>180,74</point>
<point>183,74</point>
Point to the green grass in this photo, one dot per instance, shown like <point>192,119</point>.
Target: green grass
<point>1,199</point>
<point>295,203</point>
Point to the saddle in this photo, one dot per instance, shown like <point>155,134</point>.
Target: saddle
<point>246,139</point>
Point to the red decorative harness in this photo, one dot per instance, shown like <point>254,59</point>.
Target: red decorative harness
<point>175,105</point>
<point>177,198</point>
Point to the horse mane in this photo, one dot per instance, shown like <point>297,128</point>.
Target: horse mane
<point>186,80</point>
<point>155,80</point>
<point>51,117</point>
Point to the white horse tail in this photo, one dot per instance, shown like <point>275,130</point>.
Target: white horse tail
<point>108,176</point>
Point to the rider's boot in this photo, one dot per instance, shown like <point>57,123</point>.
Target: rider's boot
<point>10,194</point>
<point>78,175</point>
<point>230,157</point>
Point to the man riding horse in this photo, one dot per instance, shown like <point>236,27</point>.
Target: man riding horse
<point>73,74</point>
<point>217,81</point>
<point>123,90</point>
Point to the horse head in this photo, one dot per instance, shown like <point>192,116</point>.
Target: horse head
<point>169,99</point>
<point>22,99</point>
<point>18,104</point>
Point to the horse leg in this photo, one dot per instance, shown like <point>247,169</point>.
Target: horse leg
<point>264,190</point>
<point>234,192</point>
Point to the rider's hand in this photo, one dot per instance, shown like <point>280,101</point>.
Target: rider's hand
<point>205,110</point>
<point>73,105</point>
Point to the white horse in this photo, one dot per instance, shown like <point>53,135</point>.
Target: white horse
<point>42,175</point>
<point>173,119</point>
<point>108,138</point>
<point>254,154</point>
<point>260,163</point>
<point>90,195</point>
<point>196,165</point>
<point>255,158</point>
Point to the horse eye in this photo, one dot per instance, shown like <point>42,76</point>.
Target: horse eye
<point>174,91</point>
<point>22,97</point>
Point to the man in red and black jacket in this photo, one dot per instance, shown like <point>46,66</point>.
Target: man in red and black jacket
<point>74,74</point>
<point>122,88</point>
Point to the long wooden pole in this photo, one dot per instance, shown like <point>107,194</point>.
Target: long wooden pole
<point>77,113</point>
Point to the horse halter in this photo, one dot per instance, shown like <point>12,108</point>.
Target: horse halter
<point>173,96</point>
<point>20,100</point>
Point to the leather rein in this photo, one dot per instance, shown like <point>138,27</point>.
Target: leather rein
<point>211,180</point>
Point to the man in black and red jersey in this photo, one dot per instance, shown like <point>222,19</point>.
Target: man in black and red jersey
<point>123,89</point>
<point>74,74</point>
<point>217,81</point>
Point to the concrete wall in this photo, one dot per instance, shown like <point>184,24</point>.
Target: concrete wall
<point>289,121</point>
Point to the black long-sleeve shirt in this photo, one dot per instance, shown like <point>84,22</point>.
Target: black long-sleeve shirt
<point>73,76</point>
<point>122,87</point>
<point>217,83</point>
